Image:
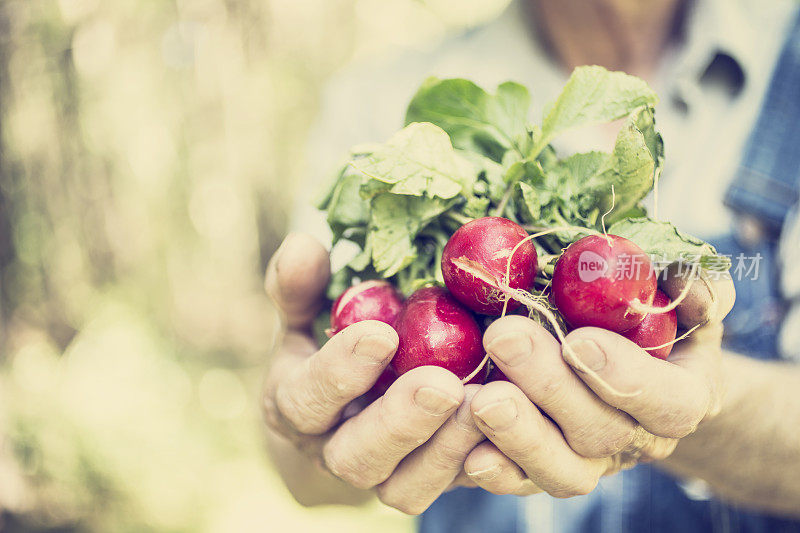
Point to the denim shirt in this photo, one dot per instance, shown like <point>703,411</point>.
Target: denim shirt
<point>645,498</point>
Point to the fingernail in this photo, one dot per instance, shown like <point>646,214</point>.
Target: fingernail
<point>485,475</point>
<point>589,353</point>
<point>434,401</point>
<point>511,348</point>
<point>374,348</point>
<point>499,414</point>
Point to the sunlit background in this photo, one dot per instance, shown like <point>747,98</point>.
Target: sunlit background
<point>148,154</point>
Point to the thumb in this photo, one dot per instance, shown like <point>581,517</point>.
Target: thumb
<point>709,298</point>
<point>297,275</point>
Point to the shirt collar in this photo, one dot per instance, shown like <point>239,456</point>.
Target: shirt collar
<point>731,28</point>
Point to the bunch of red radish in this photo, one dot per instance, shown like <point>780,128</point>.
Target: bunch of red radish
<point>489,265</point>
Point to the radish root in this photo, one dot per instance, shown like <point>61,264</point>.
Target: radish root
<point>670,343</point>
<point>640,307</point>
<point>530,301</point>
<point>477,369</point>
<point>603,218</point>
<point>526,239</point>
<point>533,304</point>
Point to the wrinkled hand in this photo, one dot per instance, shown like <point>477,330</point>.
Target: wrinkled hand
<point>557,428</point>
<point>409,445</point>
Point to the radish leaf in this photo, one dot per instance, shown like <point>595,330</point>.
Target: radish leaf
<point>474,119</point>
<point>667,244</point>
<point>395,222</point>
<point>629,170</point>
<point>345,206</point>
<point>488,171</point>
<point>593,95</point>
<point>418,160</point>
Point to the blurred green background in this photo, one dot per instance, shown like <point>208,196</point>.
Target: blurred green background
<point>147,157</point>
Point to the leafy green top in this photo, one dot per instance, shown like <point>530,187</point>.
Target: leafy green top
<point>467,153</point>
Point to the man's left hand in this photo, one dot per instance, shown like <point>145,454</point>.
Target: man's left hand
<point>557,428</point>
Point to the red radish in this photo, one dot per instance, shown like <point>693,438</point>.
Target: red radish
<point>656,329</point>
<point>476,259</point>
<point>435,329</point>
<point>369,300</point>
<point>599,278</point>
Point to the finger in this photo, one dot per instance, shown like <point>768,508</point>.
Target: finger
<point>313,392</point>
<point>533,442</point>
<point>701,355</point>
<point>710,295</point>
<point>366,448</point>
<point>297,347</point>
<point>492,471</point>
<point>665,398</point>
<point>531,358</point>
<point>296,278</point>
<point>461,480</point>
<point>294,350</point>
<point>427,472</point>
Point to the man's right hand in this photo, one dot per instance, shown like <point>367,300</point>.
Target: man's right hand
<point>409,445</point>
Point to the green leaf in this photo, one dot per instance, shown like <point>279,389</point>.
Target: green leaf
<point>488,169</point>
<point>361,261</point>
<point>548,157</point>
<point>533,202</point>
<point>346,208</point>
<point>395,222</point>
<point>323,199</point>
<point>476,120</point>
<point>530,171</point>
<point>637,211</point>
<point>418,160</point>
<point>476,207</point>
<point>645,121</point>
<point>593,95</point>
<point>630,173</point>
<point>586,171</point>
<point>518,170</point>
<point>426,268</point>
<point>667,244</point>
<point>585,181</point>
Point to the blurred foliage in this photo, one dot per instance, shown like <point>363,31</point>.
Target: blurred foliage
<point>147,155</point>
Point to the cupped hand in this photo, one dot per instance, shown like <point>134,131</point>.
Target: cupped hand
<point>571,414</point>
<point>409,445</point>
